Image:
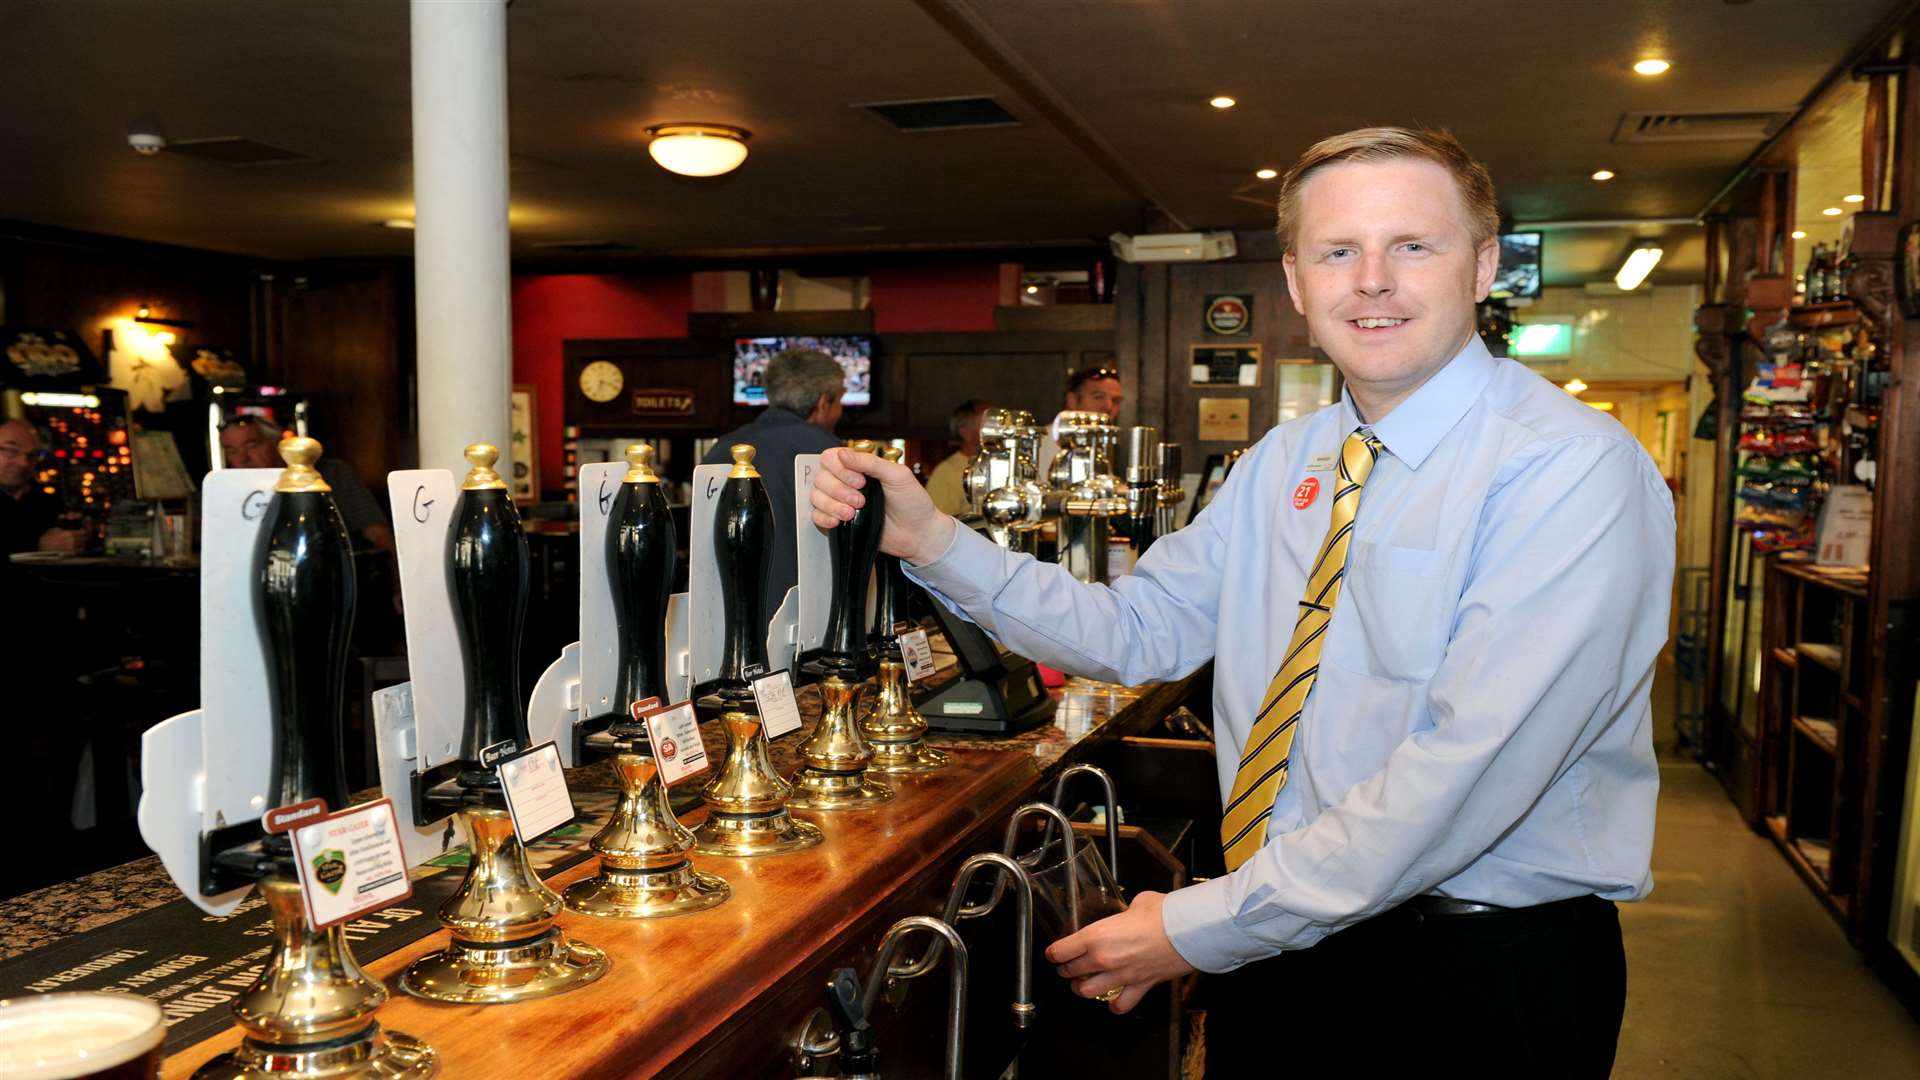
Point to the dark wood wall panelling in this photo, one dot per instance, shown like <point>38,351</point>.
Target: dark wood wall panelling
<point>1159,316</point>
<point>343,335</point>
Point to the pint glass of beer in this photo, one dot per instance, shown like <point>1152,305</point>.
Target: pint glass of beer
<point>80,1036</point>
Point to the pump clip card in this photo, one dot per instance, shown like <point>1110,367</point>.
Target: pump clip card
<point>351,863</point>
<point>536,788</point>
<point>917,654</point>
<point>779,711</point>
<point>677,748</point>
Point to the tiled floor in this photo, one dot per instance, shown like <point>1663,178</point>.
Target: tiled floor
<point>1735,970</point>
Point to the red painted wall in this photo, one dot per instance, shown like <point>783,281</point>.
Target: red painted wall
<point>548,309</point>
<point>929,299</point>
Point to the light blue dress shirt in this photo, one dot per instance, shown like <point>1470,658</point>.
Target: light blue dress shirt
<point>1480,726</point>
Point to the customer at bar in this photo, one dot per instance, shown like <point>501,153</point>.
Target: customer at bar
<point>253,442</point>
<point>948,483</point>
<point>804,387</point>
<point>1433,609</point>
<point>1094,389</point>
<point>29,515</point>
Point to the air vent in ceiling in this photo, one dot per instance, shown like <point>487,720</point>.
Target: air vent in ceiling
<point>1683,127</point>
<point>942,114</point>
<point>235,150</point>
<point>583,245</point>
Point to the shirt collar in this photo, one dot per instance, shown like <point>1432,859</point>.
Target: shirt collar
<point>1416,425</point>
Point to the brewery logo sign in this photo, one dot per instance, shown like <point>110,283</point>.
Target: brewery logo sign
<point>1230,314</point>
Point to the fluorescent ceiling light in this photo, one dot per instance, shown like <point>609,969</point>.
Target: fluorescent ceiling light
<point>697,149</point>
<point>1652,65</point>
<point>1639,264</point>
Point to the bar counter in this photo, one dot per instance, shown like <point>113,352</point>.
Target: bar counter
<point>724,992</point>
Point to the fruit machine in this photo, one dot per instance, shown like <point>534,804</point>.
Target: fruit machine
<point>55,382</point>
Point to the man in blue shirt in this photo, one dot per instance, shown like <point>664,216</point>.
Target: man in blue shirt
<point>1468,572</point>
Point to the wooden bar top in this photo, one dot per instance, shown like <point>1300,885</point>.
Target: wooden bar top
<point>674,982</point>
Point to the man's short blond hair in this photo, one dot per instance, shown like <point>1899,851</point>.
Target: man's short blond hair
<point>1377,144</point>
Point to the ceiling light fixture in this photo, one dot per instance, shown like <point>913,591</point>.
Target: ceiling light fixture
<point>1652,65</point>
<point>1854,198</point>
<point>1640,262</point>
<point>1603,175</point>
<point>1833,211</point>
<point>1222,101</point>
<point>1574,386</point>
<point>398,223</point>
<point>1267,174</point>
<point>1799,234</point>
<point>697,149</point>
<point>1032,289</point>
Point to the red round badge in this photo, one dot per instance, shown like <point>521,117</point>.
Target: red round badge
<point>1304,495</point>
<point>668,750</point>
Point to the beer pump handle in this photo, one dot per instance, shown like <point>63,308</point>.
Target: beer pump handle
<point>743,532</point>
<point>487,573</point>
<point>641,559</point>
<point>304,600</point>
<point>854,545</point>
<point>892,591</point>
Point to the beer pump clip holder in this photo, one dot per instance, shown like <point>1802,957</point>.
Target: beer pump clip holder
<point>420,747</point>
<point>204,772</point>
<point>574,696</point>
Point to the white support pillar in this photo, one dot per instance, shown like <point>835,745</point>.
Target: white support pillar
<point>462,301</point>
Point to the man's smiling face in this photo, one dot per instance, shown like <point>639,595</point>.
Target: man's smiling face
<point>1386,270</point>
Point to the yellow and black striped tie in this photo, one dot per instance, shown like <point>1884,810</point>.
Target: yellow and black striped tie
<point>1263,765</point>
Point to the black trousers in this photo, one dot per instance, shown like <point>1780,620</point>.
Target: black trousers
<point>1532,992</point>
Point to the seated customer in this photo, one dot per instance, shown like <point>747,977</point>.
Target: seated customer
<point>253,442</point>
<point>948,484</point>
<point>29,515</point>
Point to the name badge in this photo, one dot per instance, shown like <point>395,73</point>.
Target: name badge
<point>1320,463</point>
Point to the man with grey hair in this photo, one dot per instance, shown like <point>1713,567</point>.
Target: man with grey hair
<point>803,405</point>
<point>29,517</point>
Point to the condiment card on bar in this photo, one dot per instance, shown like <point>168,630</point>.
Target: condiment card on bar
<point>917,654</point>
<point>779,712</point>
<point>677,749</point>
<point>351,863</point>
<point>536,788</point>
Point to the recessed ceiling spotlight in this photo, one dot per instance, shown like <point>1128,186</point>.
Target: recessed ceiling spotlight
<point>1222,101</point>
<point>1603,175</point>
<point>1267,174</point>
<point>1799,234</point>
<point>1833,211</point>
<point>1652,65</point>
<point>1854,198</point>
<point>398,223</point>
<point>1032,289</point>
<point>697,149</point>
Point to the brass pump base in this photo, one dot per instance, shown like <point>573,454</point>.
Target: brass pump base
<point>644,872</point>
<point>384,1055</point>
<point>505,946</point>
<point>835,776</point>
<point>747,803</point>
<point>895,731</point>
<point>310,1014</point>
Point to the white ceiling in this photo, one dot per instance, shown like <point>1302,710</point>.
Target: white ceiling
<point>1536,88</point>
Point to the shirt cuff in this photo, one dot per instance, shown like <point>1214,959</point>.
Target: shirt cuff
<point>1199,923</point>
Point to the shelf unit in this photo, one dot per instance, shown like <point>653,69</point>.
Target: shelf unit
<point>1813,722</point>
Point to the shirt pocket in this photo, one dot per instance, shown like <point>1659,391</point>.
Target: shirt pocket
<point>1395,612</point>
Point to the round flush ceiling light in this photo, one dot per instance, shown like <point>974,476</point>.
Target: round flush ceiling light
<point>1222,101</point>
<point>1651,66</point>
<point>1267,174</point>
<point>1602,175</point>
<point>697,149</point>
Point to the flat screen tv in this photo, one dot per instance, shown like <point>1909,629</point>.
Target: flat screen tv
<point>1520,274</point>
<point>750,356</point>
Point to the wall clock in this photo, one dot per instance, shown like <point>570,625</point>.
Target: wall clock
<point>601,380</point>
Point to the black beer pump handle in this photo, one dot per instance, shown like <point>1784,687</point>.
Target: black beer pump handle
<point>743,532</point>
<point>641,558</point>
<point>853,546</point>
<point>487,574</point>
<point>892,591</point>
<point>304,593</point>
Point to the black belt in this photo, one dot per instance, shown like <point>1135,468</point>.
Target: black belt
<point>1445,907</point>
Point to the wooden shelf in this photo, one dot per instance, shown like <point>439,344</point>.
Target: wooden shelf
<point>1818,855</point>
<point>1824,733</point>
<point>1784,655</point>
<point>1827,656</point>
<point>1838,313</point>
<point>1803,861</point>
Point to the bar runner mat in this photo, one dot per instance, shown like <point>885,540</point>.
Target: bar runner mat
<point>194,964</point>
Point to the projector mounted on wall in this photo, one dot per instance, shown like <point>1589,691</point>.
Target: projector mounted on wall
<point>1172,247</point>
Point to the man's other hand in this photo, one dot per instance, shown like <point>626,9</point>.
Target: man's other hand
<point>1128,952</point>
<point>62,540</point>
<point>915,530</point>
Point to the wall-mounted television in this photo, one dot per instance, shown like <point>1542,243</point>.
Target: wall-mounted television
<point>853,351</point>
<point>1520,274</point>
